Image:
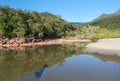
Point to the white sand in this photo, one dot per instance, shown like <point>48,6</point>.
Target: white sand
<point>77,40</point>
<point>109,46</point>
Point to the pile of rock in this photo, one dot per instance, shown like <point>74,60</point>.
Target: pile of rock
<point>19,41</point>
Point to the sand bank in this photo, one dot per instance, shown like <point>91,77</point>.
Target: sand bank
<point>109,46</point>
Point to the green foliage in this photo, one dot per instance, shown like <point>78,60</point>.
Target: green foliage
<point>108,34</point>
<point>20,23</point>
<point>87,31</point>
<point>105,26</point>
<point>110,21</point>
<point>96,32</point>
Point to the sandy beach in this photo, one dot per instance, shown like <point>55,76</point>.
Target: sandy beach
<point>109,46</point>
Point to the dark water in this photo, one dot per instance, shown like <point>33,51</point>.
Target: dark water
<point>58,63</point>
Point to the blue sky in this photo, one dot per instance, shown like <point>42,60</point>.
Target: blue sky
<point>70,10</point>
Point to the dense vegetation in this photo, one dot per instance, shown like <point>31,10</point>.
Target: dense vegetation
<point>22,23</point>
<point>110,21</point>
<point>16,23</point>
<point>105,26</point>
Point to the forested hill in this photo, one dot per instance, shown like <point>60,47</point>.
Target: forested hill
<point>77,23</point>
<point>109,21</point>
<point>22,23</point>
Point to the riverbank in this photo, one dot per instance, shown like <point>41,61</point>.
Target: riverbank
<point>109,46</point>
<point>21,43</point>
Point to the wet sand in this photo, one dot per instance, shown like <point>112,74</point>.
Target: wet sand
<point>109,46</point>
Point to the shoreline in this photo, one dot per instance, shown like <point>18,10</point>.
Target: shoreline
<point>110,46</point>
<point>20,45</point>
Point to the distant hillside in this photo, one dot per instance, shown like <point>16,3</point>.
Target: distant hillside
<point>78,23</point>
<point>109,21</point>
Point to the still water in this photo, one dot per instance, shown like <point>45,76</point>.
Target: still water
<point>58,63</point>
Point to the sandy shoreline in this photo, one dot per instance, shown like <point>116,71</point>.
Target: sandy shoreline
<point>109,46</point>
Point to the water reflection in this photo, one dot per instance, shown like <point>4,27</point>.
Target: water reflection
<point>58,63</point>
<point>83,67</point>
<point>31,76</point>
<point>40,72</point>
<point>108,58</point>
<point>20,63</point>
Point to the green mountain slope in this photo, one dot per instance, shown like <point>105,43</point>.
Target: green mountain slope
<point>105,26</point>
<point>109,21</point>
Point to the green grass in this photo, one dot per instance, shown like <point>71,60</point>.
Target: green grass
<point>96,32</point>
<point>108,34</point>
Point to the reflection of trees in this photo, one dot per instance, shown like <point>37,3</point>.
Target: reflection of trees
<point>16,63</point>
<point>106,58</point>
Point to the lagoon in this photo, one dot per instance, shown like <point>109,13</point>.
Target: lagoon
<point>58,63</point>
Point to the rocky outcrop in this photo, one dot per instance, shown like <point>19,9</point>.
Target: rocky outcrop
<point>27,42</point>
